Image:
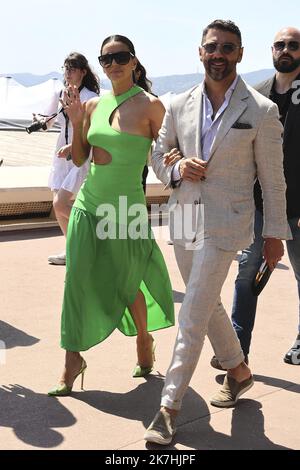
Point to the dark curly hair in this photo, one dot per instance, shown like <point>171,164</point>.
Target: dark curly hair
<point>223,25</point>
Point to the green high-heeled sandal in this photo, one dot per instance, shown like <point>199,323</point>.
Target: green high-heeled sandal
<point>63,390</point>
<point>140,371</point>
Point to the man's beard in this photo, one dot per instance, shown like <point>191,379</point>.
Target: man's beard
<point>286,67</point>
<point>219,75</point>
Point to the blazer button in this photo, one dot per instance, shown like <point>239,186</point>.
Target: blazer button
<point>196,203</point>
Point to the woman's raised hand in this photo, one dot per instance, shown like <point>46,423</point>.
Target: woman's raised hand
<point>72,105</point>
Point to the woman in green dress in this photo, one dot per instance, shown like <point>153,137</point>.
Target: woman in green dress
<point>116,276</point>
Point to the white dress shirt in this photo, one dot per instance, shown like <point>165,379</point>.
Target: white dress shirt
<point>210,126</point>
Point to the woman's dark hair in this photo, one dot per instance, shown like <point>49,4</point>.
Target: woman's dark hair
<point>139,75</point>
<point>223,25</point>
<point>140,78</point>
<point>90,80</point>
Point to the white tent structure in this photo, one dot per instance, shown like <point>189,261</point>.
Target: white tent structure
<point>17,102</point>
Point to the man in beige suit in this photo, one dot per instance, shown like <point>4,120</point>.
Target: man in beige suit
<point>215,140</point>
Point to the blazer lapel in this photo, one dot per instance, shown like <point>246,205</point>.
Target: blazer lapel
<point>235,109</point>
<point>195,110</point>
<point>265,88</point>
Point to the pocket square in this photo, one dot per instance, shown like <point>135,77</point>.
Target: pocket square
<point>241,125</point>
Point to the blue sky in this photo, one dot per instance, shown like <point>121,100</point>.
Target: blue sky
<point>36,35</point>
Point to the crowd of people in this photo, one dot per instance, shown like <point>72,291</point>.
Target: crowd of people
<point>230,154</point>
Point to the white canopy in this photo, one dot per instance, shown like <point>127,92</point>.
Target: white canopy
<point>17,102</point>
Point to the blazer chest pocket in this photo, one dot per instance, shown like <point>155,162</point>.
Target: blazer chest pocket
<point>240,137</point>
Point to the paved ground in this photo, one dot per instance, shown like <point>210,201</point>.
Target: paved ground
<point>17,148</point>
<point>115,408</point>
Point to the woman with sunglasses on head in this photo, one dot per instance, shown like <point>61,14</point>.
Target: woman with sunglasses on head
<point>66,178</point>
<point>120,280</point>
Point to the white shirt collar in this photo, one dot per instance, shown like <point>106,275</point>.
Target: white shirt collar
<point>228,92</point>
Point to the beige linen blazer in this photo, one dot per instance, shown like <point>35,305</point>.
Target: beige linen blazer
<point>248,145</point>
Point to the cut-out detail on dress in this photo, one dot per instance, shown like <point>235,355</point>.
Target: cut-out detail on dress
<point>101,156</point>
<point>115,118</point>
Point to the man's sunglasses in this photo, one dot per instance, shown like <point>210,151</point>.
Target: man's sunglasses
<point>121,58</point>
<point>291,45</point>
<point>225,48</point>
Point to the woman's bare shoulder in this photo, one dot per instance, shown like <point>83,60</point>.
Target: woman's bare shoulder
<point>156,105</point>
<point>152,101</point>
<point>91,105</point>
<point>150,97</point>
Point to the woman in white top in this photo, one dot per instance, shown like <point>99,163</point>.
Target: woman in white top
<point>65,178</point>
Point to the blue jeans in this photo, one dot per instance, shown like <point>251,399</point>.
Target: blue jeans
<point>244,302</point>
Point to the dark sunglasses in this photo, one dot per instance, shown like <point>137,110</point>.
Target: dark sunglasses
<point>226,48</point>
<point>291,45</point>
<point>121,58</point>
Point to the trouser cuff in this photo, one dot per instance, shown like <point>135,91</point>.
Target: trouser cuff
<point>170,404</point>
<point>234,362</point>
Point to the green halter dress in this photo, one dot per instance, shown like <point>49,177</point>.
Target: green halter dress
<point>104,273</point>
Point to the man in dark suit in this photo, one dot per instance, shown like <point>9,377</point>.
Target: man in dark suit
<point>284,90</point>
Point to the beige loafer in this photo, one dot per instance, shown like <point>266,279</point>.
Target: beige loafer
<point>162,429</point>
<point>231,391</point>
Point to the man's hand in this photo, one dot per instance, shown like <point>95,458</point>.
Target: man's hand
<point>192,169</point>
<point>273,252</point>
<point>172,157</point>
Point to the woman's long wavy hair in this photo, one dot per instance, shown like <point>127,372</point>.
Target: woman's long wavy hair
<point>139,74</point>
<point>90,80</point>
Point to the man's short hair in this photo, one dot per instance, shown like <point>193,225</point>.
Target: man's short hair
<point>223,25</point>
